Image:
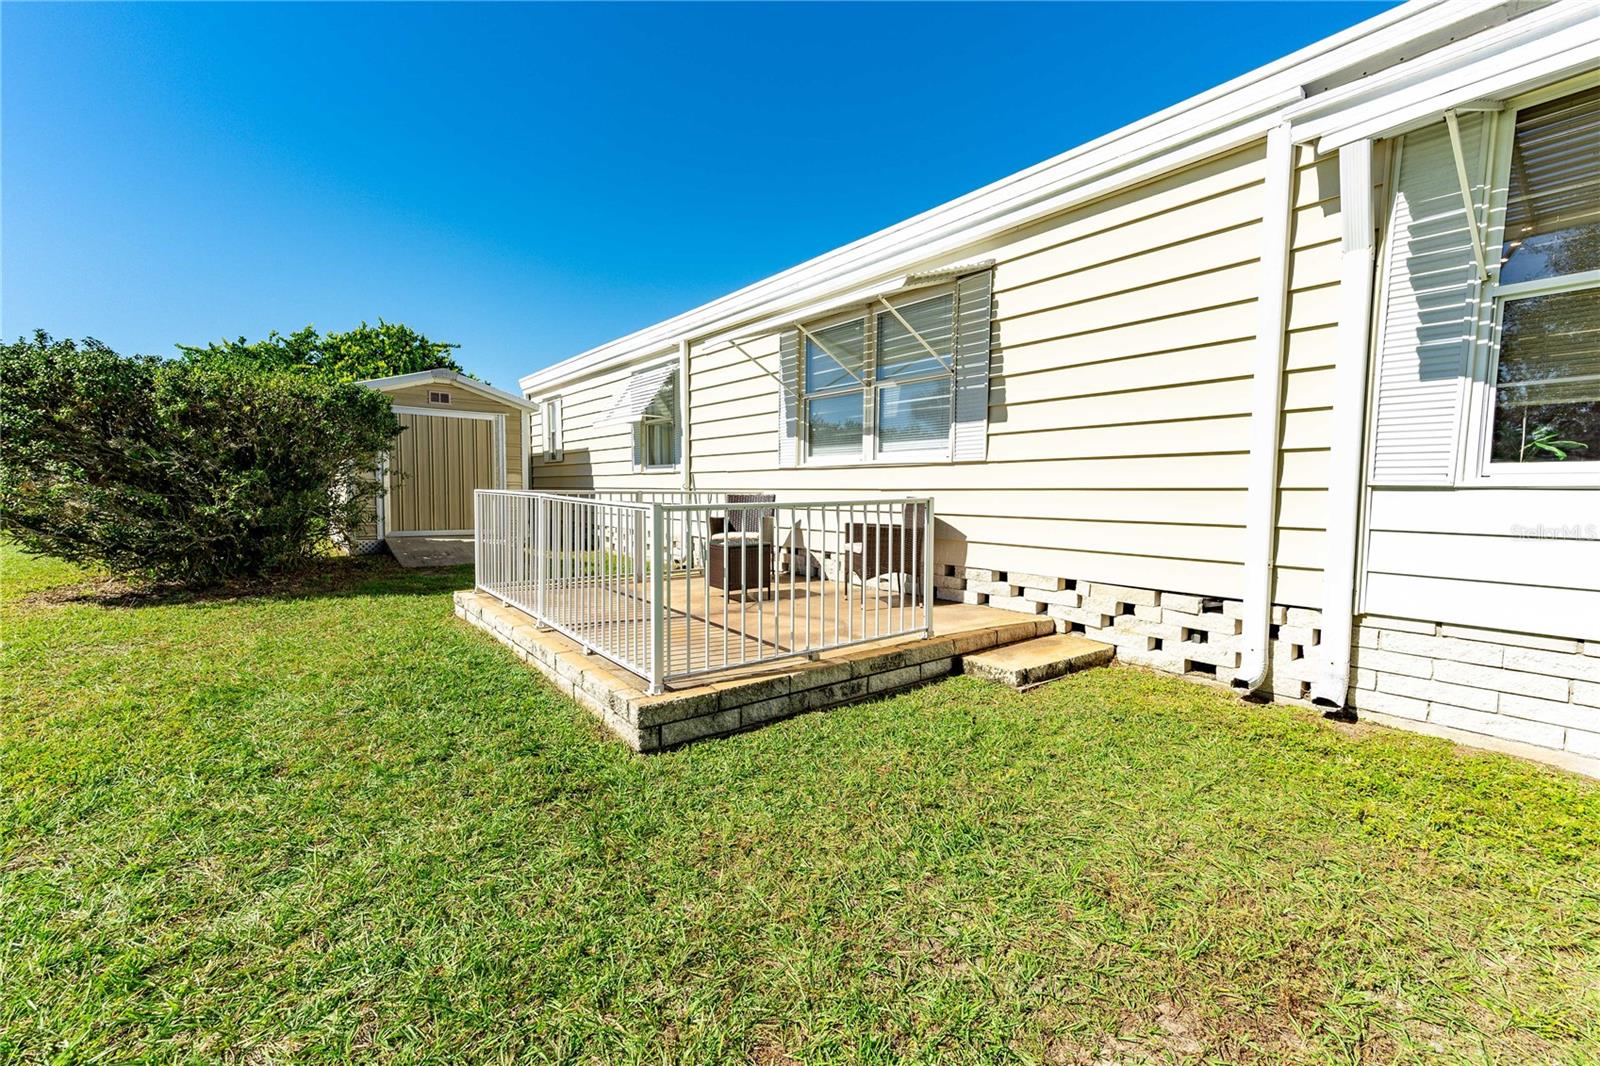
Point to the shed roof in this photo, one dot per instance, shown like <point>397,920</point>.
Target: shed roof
<point>443,376</point>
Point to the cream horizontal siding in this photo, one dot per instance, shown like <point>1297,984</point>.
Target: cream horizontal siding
<point>1119,393</point>
<point>593,455</point>
<point>461,400</point>
<point>1523,559</point>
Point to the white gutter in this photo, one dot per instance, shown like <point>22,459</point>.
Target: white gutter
<point>1266,410</point>
<point>1527,52</point>
<point>1230,115</point>
<point>1332,682</point>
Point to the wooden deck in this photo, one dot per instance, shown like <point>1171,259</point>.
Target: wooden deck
<point>745,694</point>
<point>708,632</point>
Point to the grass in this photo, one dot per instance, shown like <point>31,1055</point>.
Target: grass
<point>332,823</point>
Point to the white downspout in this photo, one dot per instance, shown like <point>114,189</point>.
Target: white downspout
<point>1332,683</point>
<point>683,413</point>
<point>1266,410</point>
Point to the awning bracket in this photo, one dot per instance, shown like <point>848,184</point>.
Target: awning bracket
<point>755,362</point>
<point>1453,124</point>
<point>919,338</point>
<point>812,337</point>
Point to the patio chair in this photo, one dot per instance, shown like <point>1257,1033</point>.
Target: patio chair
<point>889,549</point>
<point>740,546</point>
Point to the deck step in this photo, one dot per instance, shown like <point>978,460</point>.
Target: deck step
<point>1032,662</point>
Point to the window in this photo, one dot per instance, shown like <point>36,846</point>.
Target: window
<point>435,396</point>
<point>552,429</point>
<point>1546,376</point>
<point>879,383</point>
<point>655,435</point>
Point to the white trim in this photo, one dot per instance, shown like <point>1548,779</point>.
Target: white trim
<point>1517,290</point>
<point>1483,66</point>
<point>438,412</point>
<point>498,427</point>
<point>1266,408</point>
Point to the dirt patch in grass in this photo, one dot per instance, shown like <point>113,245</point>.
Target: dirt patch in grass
<point>332,576</point>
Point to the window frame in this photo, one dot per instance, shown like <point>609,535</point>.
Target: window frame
<point>640,465</point>
<point>1494,296</point>
<point>870,386</point>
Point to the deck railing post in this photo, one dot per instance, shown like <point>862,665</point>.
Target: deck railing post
<point>477,539</point>
<point>927,567</point>
<point>658,572</point>
<point>540,551</point>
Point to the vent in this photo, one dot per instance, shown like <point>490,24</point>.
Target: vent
<point>438,397</point>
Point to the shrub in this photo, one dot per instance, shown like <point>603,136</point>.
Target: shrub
<point>177,470</point>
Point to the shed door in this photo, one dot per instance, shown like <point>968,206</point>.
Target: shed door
<point>438,461</point>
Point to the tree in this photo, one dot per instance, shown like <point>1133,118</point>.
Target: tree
<point>198,471</point>
<point>354,355</point>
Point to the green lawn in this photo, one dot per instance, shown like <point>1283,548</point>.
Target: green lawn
<point>334,823</point>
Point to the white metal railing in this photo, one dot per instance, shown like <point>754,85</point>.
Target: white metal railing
<point>674,585</point>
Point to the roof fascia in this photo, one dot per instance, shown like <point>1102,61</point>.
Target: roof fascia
<point>442,376</point>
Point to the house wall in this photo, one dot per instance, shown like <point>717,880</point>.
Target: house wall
<point>1113,494</point>
<point>1119,394</point>
<point>1483,616</point>
<point>1479,601</point>
<point>596,455</point>
<point>1530,694</point>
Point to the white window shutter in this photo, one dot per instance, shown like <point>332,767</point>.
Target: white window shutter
<point>1430,310</point>
<point>789,398</point>
<point>974,312</point>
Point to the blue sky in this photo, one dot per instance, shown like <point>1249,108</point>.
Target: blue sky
<point>531,180</point>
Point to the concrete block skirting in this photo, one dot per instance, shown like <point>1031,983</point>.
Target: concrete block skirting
<point>1533,695</point>
<point>736,700</point>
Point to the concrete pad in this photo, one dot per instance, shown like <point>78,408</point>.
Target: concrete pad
<point>416,552</point>
<point>1041,659</point>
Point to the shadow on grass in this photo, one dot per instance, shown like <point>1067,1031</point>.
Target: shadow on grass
<point>369,575</point>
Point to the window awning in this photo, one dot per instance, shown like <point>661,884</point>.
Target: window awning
<point>638,393</point>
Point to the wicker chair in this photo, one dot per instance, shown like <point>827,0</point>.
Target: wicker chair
<point>879,549</point>
<point>740,545</point>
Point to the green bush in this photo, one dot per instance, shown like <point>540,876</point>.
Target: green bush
<point>177,470</point>
<point>354,355</point>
